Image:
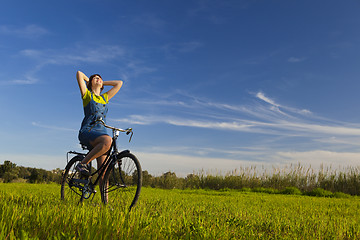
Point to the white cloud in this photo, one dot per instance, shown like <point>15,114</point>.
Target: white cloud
<point>150,21</point>
<point>158,163</point>
<point>317,128</point>
<point>42,58</point>
<point>262,96</point>
<point>317,157</point>
<point>29,31</point>
<point>301,127</point>
<point>27,80</point>
<point>209,124</point>
<point>296,60</point>
<point>275,127</point>
<point>98,54</point>
<point>32,53</point>
<point>304,111</point>
<point>139,120</point>
<point>189,46</point>
<point>138,68</point>
<point>171,50</point>
<point>177,121</point>
<point>340,141</point>
<point>276,107</point>
<point>57,128</point>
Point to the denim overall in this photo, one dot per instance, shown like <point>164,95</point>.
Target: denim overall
<point>93,110</point>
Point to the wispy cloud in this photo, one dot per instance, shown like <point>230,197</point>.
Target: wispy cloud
<point>281,127</point>
<point>340,141</point>
<point>295,59</point>
<point>57,128</point>
<point>26,80</point>
<point>189,46</point>
<point>318,157</point>
<point>29,31</point>
<point>69,56</point>
<point>158,162</point>
<point>206,10</point>
<point>265,117</point>
<point>260,95</point>
<point>130,65</point>
<point>150,21</point>
<point>171,50</point>
<point>137,67</point>
<point>98,54</point>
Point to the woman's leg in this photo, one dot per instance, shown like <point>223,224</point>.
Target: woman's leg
<point>101,145</point>
<point>100,161</point>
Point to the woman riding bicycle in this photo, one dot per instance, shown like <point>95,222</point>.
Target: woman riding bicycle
<point>95,137</point>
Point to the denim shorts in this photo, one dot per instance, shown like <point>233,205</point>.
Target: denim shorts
<point>86,137</point>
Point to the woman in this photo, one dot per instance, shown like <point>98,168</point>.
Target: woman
<point>95,137</point>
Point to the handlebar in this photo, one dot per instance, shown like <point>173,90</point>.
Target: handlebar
<point>101,121</point>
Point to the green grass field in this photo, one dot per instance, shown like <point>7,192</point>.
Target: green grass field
<point>34,211</point>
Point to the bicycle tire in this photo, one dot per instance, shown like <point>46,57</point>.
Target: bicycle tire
<point>71,191</point>
<point>123,181</point>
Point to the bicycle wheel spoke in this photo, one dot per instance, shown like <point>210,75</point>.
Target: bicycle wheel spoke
<point>72,183</point>
<point>123,182</point>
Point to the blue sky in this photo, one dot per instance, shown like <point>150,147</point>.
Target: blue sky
<point>208,85</point>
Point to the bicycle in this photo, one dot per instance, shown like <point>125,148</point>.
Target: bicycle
<point>121,170</point>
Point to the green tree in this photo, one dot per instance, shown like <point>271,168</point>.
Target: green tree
<point>146,178</point>
<point>6,167</point>
<point>9,171</point>
<point>169,180</point>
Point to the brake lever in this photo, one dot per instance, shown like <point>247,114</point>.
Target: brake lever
<point>128,131</point>
<point>131,136</point>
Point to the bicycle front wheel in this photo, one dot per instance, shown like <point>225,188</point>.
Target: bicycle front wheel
<point>122,181</point>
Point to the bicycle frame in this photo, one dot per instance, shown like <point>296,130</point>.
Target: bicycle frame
<point>112,153</point>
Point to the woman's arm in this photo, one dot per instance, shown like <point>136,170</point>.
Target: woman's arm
<point>116,87</point>
<point>81,79</point>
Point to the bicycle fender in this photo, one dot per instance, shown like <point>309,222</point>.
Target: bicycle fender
<point>119,155</point>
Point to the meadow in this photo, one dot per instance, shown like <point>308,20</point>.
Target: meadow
<point>35,211</point>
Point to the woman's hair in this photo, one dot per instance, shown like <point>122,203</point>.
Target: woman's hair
<point>89,85</point>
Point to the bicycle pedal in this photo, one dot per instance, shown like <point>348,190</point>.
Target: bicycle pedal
<point>83,176</point>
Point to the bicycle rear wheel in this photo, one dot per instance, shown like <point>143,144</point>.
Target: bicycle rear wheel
<point>72,183</point>
<point>123,181</point>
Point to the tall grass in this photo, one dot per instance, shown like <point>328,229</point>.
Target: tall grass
<point>346,180</point>
<point>306,179</point>
<point>34,211</point>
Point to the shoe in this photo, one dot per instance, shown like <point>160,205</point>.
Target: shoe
<point>83,169</point>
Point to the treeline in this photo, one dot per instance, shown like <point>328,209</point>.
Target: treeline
<point>9,172</point>
<point>306,180</point>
